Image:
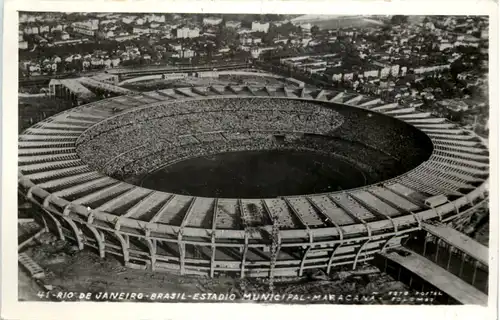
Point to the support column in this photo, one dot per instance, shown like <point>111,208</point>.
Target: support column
<point>358,254</point>
<point>99,241</point>
<point>73,226</point>
<point>332,256</point>
<point>125,247</point>
<point>212,257</point>
<point>244,256</point>
<point>76,232</point>
<point>182,252</point>
<point>303,261</point>
<point>57,224</point>
<point>152,252</point>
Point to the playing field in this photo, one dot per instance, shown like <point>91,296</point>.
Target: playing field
<point>255,174</point>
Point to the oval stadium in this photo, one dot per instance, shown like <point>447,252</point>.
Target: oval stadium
<point>253,181</point>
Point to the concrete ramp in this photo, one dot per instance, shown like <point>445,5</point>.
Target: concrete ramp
<point>448,283</point>
<point>92,83</point>
<point>70,86</point>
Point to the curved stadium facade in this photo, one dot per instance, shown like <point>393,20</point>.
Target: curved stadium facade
<point>84,167</point>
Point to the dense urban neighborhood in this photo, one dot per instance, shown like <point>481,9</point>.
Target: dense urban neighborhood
<point>420,61</point>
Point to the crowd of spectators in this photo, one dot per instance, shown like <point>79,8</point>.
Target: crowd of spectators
<point>384,133</point>
<point>167,122</point>
<point>136,142</point>
<point>148,157</point>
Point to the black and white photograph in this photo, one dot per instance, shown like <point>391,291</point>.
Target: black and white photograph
<point>277,159</point>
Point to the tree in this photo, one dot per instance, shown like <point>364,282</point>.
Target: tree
<point>225,36</point>
<point>314,30</point>
<point>399,19</point>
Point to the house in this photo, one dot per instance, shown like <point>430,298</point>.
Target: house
<point>244,31</point>
<point>126,37</point>
<point>44,29</point>
<point>251,40</point>
<point>371,71</point>
<point>403,70</point>
<point>115,62</point>
<point>34,68</point>
<point>64,36</point>
<point>315,69</point>
<point>445,45</point>
<point>57,27</point>
<point>454,105</point>
<point>107,63</point>
<point>108,34</point>
<point>128,19</point>
<point>348,76</point>
<point>24,18</point>
<point>176,47</point>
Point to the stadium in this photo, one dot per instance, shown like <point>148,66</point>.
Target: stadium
<point>161,179</point>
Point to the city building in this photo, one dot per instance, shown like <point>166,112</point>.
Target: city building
<point>186,32</point>
<point>260,27</point>
<point>128,19</point>
<point>233,24</point>
<point>212,21</point>
<point>140,30</point>
<point>454,105</point>
<point>155,18</point>
<point>31,29</point>
<point>88,27</point>
<point>257,51</point>
<point>108,21</point>
<point>23,45</point>
<point>107,34</point>
<point>186,53</point>
<point>57,27</point>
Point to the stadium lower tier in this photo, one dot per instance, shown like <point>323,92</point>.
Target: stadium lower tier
<point>262,166</point>
<point>417,168</point>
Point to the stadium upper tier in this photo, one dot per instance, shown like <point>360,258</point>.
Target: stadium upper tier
<point>65,163</point>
